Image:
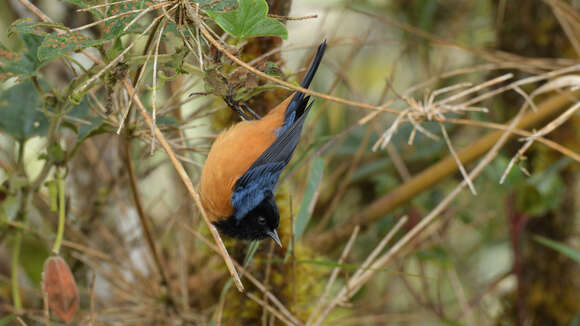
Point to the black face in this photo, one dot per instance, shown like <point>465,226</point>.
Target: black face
<point>258,224</point>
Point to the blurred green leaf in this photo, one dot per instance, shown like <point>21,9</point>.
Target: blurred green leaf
<point>54,45</point>
<point>543,191</point>
<point>116,27</point>
<point>20,65</point>
<point>575,320</point>
<point>9,208</point>
<point>4,321</point>
<point>308,201</point>
<point>33,253</point>
<point>218,5</point>
<point>249,20</point>
<point>85,4</point>
<point>436,254</point>
<point>96,127</point>
<point>25,26</point>
<point>80,110</point>
<point>273,69</point>
<point>20,112</point>
<point>252,248</point>
<point>563,249</point>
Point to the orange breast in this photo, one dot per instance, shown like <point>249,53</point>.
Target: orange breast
<point>231,155</point>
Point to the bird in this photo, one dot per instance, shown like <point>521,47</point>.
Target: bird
<point>244,164</point>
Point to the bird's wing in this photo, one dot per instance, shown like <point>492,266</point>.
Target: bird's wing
<point>249,190</point>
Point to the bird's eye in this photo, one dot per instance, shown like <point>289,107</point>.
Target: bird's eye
<point>261,220</point>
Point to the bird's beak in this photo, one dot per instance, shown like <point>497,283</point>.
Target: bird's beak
<point>275,237</point>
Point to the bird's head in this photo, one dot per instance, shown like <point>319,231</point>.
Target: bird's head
<point>258,224</point>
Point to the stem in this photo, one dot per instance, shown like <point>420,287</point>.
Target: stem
<point>14,272</point>
<point>61,213</point>
<point>143,219</point>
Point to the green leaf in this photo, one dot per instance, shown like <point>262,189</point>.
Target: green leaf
<point>217,5</point>
<point>81,110</point>
<point>9,208</point>
<point>249,20</point>
<point>436,254</point>
<point>54,45</point>
<point>21,65</point>
<point>96,127</point>
<point>4,321</point>
<point>33,253</point>
<point>85,4</point>
<point>20,112</point>
<point>309,198</point>
<point>273,69</point>
<point>25,26</point>
<point>308,201</point>
<point>572,253</point>
<point>252,248</point>
<point>116,27</point>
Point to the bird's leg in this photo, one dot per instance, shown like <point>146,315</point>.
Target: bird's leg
<point>234,105</point>
<point>252,112</point>
<point>237,107</point>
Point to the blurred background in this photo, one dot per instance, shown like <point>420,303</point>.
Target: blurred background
<point>380,223</point>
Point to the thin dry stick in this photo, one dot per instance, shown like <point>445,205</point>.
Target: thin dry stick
<point>154,95</point>
<point>188,185</point>
<point>104,5</point>
<point>388,237</point>
<point>355,284</point>
<point>567,29</point>
<point>520,132</point>
<point>20,321</point>
<point>284,18</point>
<point>269,308</point>
<point>45,307</point>
<point>358,273</point>
<point>544,131</point>
<point>477,88</point>
<point>333,275</point>
<point>459,165</point>
<point>92,300</point>
<point>292,254</point>
<point>460,294</point>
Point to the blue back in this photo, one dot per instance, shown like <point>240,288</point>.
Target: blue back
<point>262,176</point>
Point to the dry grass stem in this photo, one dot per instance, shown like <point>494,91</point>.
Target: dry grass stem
<point>333,276</point>
<point>457,160</point>
<point>348,289</point>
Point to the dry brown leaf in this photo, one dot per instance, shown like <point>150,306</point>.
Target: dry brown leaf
<point>61,288</point>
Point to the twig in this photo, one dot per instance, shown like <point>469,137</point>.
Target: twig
<point>333,276</point>
<point>284,18</point>
<point>457,160</point>
<point>269,308</point>
<point>350,288</point>
<point>45,308</point>
<point>161,269</point>
<point>92,300</point>
<point>187,182</point>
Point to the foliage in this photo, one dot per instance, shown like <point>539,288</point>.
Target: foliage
<point>249,20</point>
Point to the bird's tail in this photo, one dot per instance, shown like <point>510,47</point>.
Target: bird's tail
<point>314,65</point>
<point>298,104</point>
